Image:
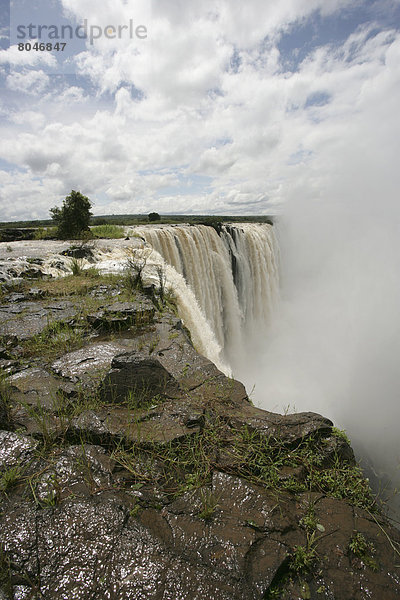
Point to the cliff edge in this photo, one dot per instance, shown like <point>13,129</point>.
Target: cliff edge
<point>131,468</point>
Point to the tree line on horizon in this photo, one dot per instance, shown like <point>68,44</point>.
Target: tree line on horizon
<point>74,218</point>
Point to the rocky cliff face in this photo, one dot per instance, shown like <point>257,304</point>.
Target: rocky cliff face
<point>131,468</point>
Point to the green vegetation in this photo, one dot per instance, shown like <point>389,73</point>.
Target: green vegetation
<point>72,219</point>
<point>209,504</point>
<point>70,285</point>
<point>256,458</point>
<point>360,548</point>
<point>108,231</point>
<point>153,216</point>
<point>45,233</point>
<point>10,478</point>
<point>303,558</point>
<point>340,434</point>
<point>57,338</point>
<point>76,267</point>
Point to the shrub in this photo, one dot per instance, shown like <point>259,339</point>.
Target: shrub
<point>45,233</point>
<point>72,219</point>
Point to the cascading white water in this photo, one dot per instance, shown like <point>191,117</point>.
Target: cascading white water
<point>199,255</point>
<point>255,267</point>
<point>234,275</point>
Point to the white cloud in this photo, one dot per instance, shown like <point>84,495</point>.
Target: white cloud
<point>251,128</point>
<point>30,118</point>
<point>19,190</point>
<point>28,82</point>
<point>15,58</point>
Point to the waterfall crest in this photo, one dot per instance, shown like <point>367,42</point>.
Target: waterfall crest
<point>233,275</point>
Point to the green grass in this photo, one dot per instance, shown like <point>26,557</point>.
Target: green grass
<point>209,504</point>
<point>189,464</point>
<point>10,478</point>
<point>364,550</point>
<point>45,233</point>
<point>56,339</point>
<point>111,232</point>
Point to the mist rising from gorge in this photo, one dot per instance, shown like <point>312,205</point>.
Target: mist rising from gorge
<point>334,346</point>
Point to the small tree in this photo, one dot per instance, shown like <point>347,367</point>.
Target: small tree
<point>72,219</point>
<point>153,216</point>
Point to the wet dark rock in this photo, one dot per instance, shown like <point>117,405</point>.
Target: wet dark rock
<point>123,314</point>
<point>79,471</point>
<point>26,319</point>
<point>136,477</point>
<point>34,261</point>
<point>4,352</point>
<point>150,426</point>
<point>60,265</point>
<point>31,273</point>
<point>37,387</point>
<point>144,377</point>
<point>79,252</point>
<point>4,413</point>
<point>291,427</point>
<point>90,545</point>
<point>88,365</point>
<point>15,449</point>
<point>16,297</point>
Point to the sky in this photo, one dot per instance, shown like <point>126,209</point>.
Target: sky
<point>224,107</point>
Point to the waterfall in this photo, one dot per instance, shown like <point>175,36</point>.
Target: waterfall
<point>233,276</point>
<point>225,282</point>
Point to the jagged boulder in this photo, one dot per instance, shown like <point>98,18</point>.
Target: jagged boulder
<point>144,378</point>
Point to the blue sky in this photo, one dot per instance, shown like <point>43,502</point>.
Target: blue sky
<point>225,108</point>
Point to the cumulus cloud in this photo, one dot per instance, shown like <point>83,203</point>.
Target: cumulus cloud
<point>208,94</point>
<point>13,57</point>
<point>28,82</point>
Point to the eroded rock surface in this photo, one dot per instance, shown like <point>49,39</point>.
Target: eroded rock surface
<point>132,469</point>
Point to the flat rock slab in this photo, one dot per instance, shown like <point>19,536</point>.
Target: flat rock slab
<point>158,425</point>
<point>88,365</point>
<point>89,545</point>
<point>91,548</point>
<point>76,471</point>
<point>37,387</point>
<point>26,319</point>
<point>287,427</point>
